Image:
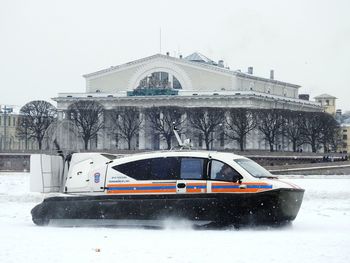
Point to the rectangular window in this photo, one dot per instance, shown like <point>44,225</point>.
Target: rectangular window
<point>192,168</point>
<point>200,140</point>
<point>345,136</point>
<point>345,131</point>
<point>116,136</point>
<point>222,139</point>
<point>9,121</point>
<point>156,141</point>
<point>165,168</point>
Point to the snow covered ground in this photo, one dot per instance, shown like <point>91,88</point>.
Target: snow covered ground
<point>321,233</point>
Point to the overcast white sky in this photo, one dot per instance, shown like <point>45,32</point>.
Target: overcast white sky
<point>46,46</point>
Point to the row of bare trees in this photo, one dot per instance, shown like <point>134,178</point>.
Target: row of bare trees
<point>317,129</point>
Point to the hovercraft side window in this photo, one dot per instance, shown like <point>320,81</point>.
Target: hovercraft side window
<point>139,170</point>
<point>164,168</point>
<point>253,168</point>
<point>223,172</point>
<point>192,168</point>
<point>169,168</point>
<point>151,169</point>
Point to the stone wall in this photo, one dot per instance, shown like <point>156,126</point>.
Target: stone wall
<point>15,162</point>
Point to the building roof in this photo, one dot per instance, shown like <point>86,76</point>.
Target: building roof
<point>205,65</point>
<point>191,98</point>
<point>325,96</point>
<point>198,57</point>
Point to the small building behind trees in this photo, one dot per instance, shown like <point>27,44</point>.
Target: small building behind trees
<point>9,121</point>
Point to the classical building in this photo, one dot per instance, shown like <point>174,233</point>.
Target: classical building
<point>9,116</point>
<point>192,81</point>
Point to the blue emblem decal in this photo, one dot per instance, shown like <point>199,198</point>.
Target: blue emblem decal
<point>97,178</point>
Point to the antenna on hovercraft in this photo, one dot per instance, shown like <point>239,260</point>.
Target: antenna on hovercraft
<point>186,144</point>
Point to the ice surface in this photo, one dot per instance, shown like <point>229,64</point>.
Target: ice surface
<point>321,233</point>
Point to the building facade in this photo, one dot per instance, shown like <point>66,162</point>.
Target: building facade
<point>189,82</point>
<point>327,102</point>
<point>345,136</point>
<point>9,119</point>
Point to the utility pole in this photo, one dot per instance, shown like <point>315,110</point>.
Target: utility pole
<point>6,111</point>
<point>26,139</point>
<point>160,40</point>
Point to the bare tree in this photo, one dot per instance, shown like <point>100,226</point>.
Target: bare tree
<point>88,118</point>
<point>270,124</point>
<point>163,119</point>
<point>126,123</point>
<point>35,118</point>
<point>239,123</point>
<point>337,140</point>
<point>318,128</point>
<point>329,132</point>
<point>293,128</point>
<point>312,129</point>
<point>206,121</point>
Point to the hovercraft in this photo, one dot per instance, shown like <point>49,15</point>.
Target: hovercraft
<point>201,186</point>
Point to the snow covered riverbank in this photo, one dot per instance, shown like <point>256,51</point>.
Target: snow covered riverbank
<point>321,233</point>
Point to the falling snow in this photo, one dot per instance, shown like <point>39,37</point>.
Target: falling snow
<point>321,233</point>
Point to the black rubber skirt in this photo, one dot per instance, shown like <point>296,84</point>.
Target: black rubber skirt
<point>271,207</point>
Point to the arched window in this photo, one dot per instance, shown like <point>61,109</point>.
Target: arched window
<point>162,80</point>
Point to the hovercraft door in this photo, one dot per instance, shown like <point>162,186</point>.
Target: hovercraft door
<point>78,177</point>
